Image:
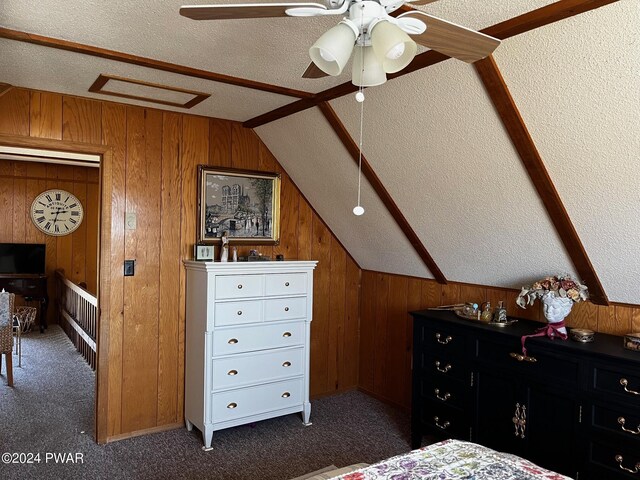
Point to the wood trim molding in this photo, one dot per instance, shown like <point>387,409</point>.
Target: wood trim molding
<point>103,79</point>
<point>381,191</point>
<point>509,28</point>
<point>517,130</point>
<point>4,88</point>
<point>147,62</point>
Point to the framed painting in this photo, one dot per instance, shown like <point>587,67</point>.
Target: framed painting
<point>245,204</point>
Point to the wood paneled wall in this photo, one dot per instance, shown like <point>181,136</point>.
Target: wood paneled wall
<point>386,327</point>
<point>76,254</point>
<point>153,173</point>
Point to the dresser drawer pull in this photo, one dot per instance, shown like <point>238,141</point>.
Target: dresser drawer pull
<point>523,358</point>
<point>444,369</point>
<point>624,382</point>
<point>286,309</point>
<point>444,398</point>
<point>239,312</point>
<point>286,334</point>
<point>619,459</point>
<point>232,405</point>
<point>232,341</point>
<point>240,287</point>
<point>286,364</point>
<point>622,421</point>
<point>232,372</point>
<point>286,284</point>
<point>444,425</point>
<point>286,395</point>
<point>445,341</point>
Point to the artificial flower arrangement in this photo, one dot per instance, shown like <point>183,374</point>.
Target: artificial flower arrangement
<point>562,286</point>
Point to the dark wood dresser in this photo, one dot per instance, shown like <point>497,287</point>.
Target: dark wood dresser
<point>31,287</point>
<point>568,406</point>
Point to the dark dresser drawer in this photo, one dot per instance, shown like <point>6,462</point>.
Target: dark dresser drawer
<point>446,391</point>
<point>621,421</point>
<point>443,340</point>
<point>446,420</point>
<point>610,462</point>
<point>538,362</point>
<point>617,382</point>
<point>443,365</point>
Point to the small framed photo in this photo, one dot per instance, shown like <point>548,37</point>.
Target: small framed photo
<point>204,253</point>
<point>244,204</point>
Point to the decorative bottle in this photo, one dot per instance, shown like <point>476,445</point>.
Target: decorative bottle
<point>486,314</point>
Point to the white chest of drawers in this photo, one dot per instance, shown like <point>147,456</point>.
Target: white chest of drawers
<point>247,342</point>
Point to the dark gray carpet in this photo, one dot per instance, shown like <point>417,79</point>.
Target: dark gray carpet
<point>50,410</point>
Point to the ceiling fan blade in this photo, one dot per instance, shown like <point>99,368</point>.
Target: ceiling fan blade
<point>313,71</point>
<point>453,40</point>
<point>242,10</point>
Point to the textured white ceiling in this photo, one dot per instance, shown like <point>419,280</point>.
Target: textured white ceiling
<point>326,174</point>
<point>43,68</point>
<point>577,84</point>
<point>268,50</point>
<point>444,155</point>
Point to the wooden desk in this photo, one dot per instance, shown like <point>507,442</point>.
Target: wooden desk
<point>31,287</point>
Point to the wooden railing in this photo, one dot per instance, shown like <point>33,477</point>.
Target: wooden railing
<point>77,315</point>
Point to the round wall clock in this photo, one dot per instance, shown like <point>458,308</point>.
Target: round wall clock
<point>57,212</point>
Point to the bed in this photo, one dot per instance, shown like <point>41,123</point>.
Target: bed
<point>453,460</point>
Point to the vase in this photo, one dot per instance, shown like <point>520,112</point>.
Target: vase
<point>556,309</point>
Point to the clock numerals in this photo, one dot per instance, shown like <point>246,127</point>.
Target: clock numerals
<point>49,197</point>
<point>40,211</point>
<point>73,220</point>
<point>58,196</point>
<point>57,212</point>
<point>57,228</point>
<point>47,226</point>
<point>40,219</point>
<point>75,213</point>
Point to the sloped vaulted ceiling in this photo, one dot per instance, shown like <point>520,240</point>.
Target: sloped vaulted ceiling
<point>433,136</point>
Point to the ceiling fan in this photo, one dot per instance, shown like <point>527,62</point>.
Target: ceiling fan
<point>381,41</point>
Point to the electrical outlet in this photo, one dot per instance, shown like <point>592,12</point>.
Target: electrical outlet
<point>129,268</point>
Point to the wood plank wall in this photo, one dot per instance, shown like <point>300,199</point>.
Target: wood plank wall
<point>153,173</point>
<point>76,254</point>
<point>386,327</point>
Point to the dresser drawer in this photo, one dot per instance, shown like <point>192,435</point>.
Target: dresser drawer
<point>443,365</point>
<point>244,402</point>
<point>622,385</point>
<point>246,369</point>
<point>443,341</point>
<point>239,286</point>
<point>623,421</point>
<point>285,308</point>
<point>236,313</point>
<point>541,363</point>
<point>445,391</point>
<point>614,459</point>
<point>257,337</point>
<point>286,284</point>
<point>445,420</point>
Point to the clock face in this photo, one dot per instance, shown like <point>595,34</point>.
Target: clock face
<point>57,212</point>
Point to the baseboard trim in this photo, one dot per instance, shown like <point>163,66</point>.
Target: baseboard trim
<point>145,431</point>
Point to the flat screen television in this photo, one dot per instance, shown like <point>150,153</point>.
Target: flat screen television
<point>22,258</point>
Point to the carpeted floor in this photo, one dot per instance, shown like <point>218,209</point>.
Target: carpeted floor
<point>50,410</point>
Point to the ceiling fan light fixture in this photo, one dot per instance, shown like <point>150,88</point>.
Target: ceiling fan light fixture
<point>332,50</point>
<point>367,69</point>
<point>393,47</point>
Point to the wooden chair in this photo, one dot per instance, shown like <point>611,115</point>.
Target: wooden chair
<point>6,332</point>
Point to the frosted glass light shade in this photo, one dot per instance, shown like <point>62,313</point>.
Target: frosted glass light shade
<point>332,50</point>
<point>393,47</point>
<point>372,74</point>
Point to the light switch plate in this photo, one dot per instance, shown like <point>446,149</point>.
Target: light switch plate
<point>129,268</point>
<point>130,220</point>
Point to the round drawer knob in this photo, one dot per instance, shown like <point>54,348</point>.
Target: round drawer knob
<point>233,341</point>
<point>240,287</point>
<point>286,334</point>
<point>286,309</point>
<point>232,405</point>
<point>286,284</point>
<point>286,395</point>
<point>286,364</point>
<point>239,312</point>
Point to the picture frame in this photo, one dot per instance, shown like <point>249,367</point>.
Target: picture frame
<point>204,253</point>
<point>244,203</point>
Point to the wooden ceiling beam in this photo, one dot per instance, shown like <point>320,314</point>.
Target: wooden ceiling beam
<point>148,62</point>
<point>513,122</point>
<point>386,198</point>
<point>515,26</point>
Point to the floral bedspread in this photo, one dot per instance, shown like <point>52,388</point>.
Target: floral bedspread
<point>453,460</point>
